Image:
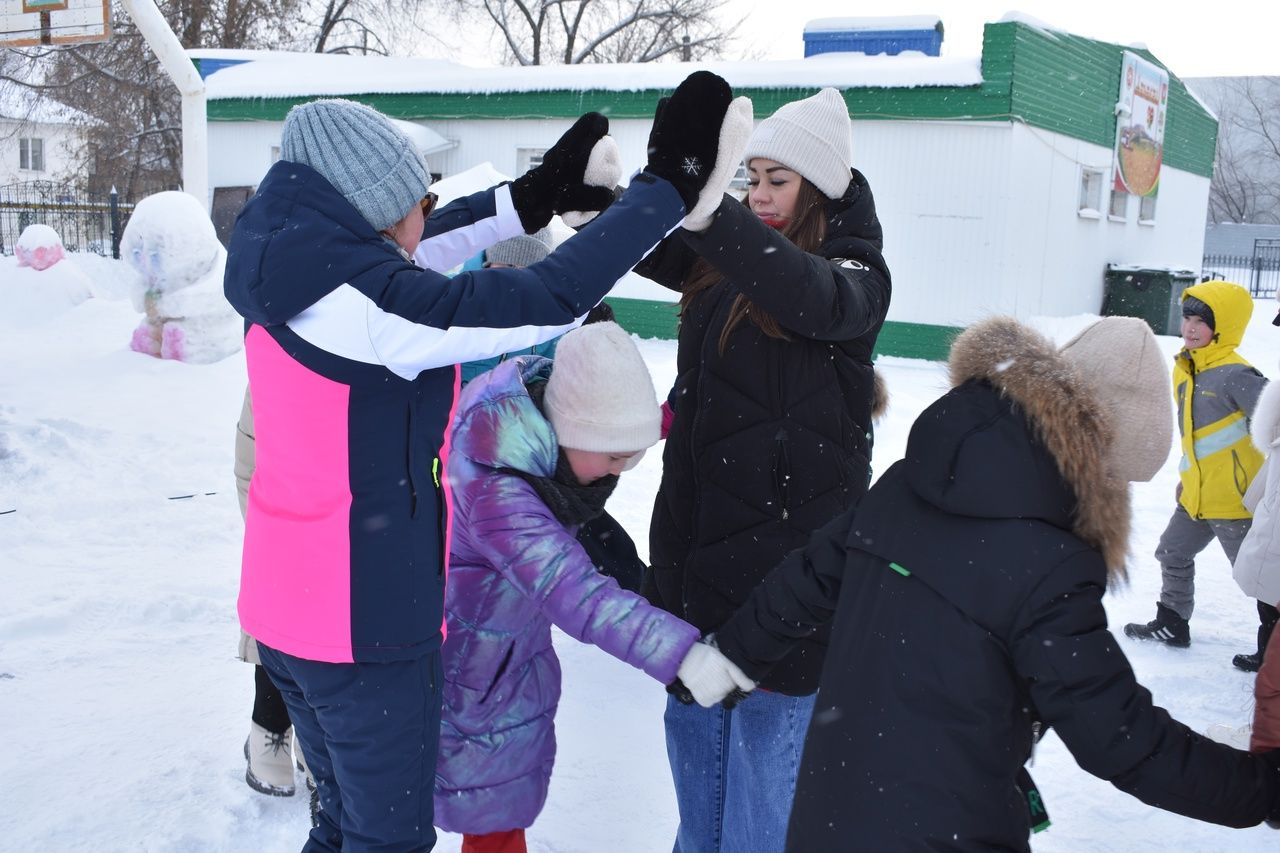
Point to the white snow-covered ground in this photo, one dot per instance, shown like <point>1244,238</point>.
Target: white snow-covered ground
<point>123,709</point>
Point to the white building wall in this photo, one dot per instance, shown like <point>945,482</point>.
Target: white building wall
<point>1060,255</point>
<point>941,192</point>
<point>240,152</point>
<point>61,151</point>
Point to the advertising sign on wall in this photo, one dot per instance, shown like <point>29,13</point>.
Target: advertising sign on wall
<point>1140,112</point>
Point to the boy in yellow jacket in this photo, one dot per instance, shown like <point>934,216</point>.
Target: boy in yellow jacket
<point>1215,391</point>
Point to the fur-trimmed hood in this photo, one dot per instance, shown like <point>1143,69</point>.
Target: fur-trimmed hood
<point>1062,412</point>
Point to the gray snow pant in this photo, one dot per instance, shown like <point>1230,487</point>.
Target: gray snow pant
<point>1181,541</point>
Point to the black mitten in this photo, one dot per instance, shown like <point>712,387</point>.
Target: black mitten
<point>556,185</point>
<point>686,133</point>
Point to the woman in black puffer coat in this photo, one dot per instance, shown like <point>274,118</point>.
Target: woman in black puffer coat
<point>782,300</point>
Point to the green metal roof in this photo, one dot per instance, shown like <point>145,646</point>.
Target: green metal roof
<point>1060,82</point>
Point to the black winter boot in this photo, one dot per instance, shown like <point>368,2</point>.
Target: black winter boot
<point>1168,627</point>
<point>1267,617</point>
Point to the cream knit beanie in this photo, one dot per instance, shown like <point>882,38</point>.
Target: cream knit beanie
<point>600,396</point>
<point>1120,361</point>
<point>813,138</point>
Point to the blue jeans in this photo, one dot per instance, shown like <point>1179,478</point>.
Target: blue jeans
<point>370,732</point>
<point>735,771</point>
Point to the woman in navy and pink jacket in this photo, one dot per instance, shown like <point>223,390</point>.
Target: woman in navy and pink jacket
<point>352,349</point>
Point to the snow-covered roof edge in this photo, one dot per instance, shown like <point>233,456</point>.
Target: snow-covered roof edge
<point>283,75</point>
<point>900,22</point>
<point>17,103</point>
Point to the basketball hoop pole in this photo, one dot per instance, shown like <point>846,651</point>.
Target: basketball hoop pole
<point>176,63</point>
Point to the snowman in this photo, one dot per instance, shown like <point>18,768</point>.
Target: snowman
<point>171,244</point>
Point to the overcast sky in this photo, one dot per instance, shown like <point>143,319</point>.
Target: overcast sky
<point>1220,38</point>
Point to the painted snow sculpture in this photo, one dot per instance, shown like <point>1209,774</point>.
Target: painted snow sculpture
<point>171,244</point>
<point>39,247</point>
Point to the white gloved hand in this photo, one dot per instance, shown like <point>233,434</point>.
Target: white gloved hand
<point>604,169</point>
<point>710,676</point>
<point>734,135</point>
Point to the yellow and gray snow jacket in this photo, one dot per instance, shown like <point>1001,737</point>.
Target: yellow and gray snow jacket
<point>1215,391</point>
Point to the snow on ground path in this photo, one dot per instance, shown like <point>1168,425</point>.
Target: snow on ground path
<point>124,711</point>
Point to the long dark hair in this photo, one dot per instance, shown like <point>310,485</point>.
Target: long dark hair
<point>807,230</point>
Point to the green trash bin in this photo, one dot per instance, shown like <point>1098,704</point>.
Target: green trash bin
<point>1153,295</point>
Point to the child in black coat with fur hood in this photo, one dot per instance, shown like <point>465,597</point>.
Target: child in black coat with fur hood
<point>965,593</point>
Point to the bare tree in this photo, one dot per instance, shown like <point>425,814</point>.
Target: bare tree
<point>1246,175</point>
<point>134,125</point>
<point>545,32</point>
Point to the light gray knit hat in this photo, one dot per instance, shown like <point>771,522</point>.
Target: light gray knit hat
<point>523,250</point>
<point>358,150</point>
<point>813,138</point>
<point>600,396</point>
<point>1122,364</point>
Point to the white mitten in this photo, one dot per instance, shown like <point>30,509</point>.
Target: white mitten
<point>734,133</point>
<point>604,169</point>
<point>710,676</point>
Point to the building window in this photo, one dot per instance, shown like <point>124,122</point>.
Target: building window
<point>1119,210</point>
<point>528,158</point>
<point>1089,204</point>
<point>31,154</point>
<point>275,153</point>
<point>1147,210</point>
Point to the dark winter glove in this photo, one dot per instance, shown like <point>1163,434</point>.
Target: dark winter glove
<point>558,183</point>
<point>684,697</point>
<point>685,138</point>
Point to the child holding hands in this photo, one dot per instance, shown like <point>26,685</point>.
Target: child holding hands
<point>537,448</point>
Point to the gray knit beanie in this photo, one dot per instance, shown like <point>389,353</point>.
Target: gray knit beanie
<point>813,138</point>
<point>523,250</point>
<point>600,396</point>
<point>1119,359</point>
<point>358,150</point>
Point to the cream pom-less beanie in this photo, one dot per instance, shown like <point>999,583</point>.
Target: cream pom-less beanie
<point>600,396</point>
<point>1119,359</point>
<point>369,160</point>
<point>812,137</point>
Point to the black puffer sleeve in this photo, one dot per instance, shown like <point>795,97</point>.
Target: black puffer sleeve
<point>826,298</point>
<point>799,595</point>
<point>669,262</point>
<point>1083,686</point>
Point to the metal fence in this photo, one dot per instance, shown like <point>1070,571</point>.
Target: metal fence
<point>86,222</point>
<point>1260,272</point>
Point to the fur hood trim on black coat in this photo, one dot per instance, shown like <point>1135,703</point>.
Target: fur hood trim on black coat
<point>1025,367</point>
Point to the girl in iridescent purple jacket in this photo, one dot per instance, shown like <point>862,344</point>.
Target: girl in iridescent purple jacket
<point>534,454</point>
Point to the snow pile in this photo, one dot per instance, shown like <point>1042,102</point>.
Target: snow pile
<point>171,244</point>
<point>124,710</point>
<point>39,247</point>
<point>31,296</point>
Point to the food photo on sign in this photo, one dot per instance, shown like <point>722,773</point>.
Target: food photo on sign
<point>1139,146</point>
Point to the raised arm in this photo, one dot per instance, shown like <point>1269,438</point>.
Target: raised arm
<point>837,294</point>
